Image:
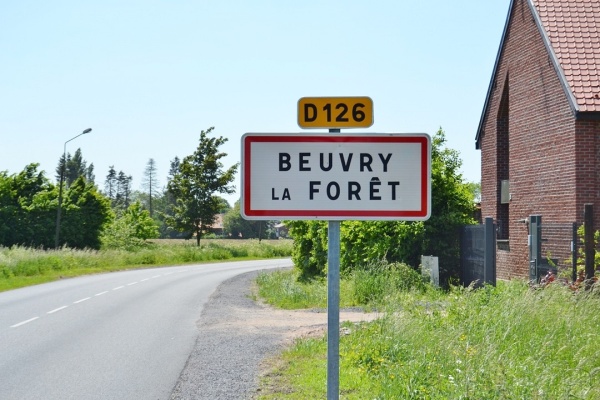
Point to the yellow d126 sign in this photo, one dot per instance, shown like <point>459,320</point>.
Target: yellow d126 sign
<point>335,112</point>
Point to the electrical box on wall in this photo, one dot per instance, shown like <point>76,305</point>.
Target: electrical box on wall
<point>505,192</point>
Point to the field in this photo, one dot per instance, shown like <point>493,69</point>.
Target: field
<point>21,266</point>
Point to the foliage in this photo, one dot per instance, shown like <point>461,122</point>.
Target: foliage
<point>117,188</point>
<point>123,193</point>
<point>581,249</point>
<point>378,280</point>
<point>504,342</point>
<point>86,213</point>
<point>310,247</point>
<point>398,241</point>
<point>167,206</point>
<point>475,190</point>
<point>199,176</point>
<point>75,167</point>
<point>392,241</point>
<point>25,208</point>
<point>28,203</point>
<point>130,230</point>
<point>110,184</point>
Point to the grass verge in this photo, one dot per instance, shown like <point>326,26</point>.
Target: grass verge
<point>283,289</point>
<point>504,342</point>
<point>21,266</point>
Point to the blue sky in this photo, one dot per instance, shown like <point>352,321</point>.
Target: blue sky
<point>148,76</point>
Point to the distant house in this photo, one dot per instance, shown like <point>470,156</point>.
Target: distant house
<point>539,132</point>
<point>217,226</point>
<point>281,230</point>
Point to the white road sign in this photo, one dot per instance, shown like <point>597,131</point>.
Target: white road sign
<point>336,176</point>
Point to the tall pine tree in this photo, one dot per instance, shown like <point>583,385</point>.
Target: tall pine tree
<point>110,184</point>
<point>150,183</point>
<point>123,193</point>
<point>74,167</point>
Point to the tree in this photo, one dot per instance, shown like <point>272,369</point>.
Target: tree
<point>398,241</point>
<point>199,176</point>
<point>123,191</point>
<point>224,205</point>
<point>475,190</point>
<point>74,167</point>
<point>131,229</point>
<point>87,213</point>
<point>150,183</point>
<point>27,208</point>
<point>117,187</point>
<point>174,169</point>
<point>89,174</point>
<point>163,203</point>
<point>110,184</point>
<point>28,203</point>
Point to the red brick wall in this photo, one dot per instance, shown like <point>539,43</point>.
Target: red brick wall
<point>542,166</point>
<point>588,168</point>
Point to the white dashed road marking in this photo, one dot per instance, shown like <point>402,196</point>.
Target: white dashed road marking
<point>56,310</point>
<point>24,322</point>
<point>96,295</point>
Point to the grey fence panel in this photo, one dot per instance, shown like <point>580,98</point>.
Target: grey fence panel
<point>472,254</point>
<point>559,247</point>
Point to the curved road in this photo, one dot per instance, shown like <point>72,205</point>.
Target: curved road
<point>122,335</point>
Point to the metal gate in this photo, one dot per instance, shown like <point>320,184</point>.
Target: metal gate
<point>552,247</point>
<point>478,253</point>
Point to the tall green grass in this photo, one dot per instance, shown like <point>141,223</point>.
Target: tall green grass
<point>283,289</point>
<point>504,342</point>
<point>20,266</point>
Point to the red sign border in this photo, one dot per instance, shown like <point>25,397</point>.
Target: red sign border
<point>419,215</point>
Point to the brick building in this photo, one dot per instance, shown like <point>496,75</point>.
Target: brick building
<point>539,132</point>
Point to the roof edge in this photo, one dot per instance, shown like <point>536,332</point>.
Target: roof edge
<point>494,72</point>
<point>556,64</point>
<point>557,67</point>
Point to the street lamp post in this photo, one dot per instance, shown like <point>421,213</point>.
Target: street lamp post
<point>60,188</point>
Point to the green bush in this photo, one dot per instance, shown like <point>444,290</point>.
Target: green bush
<point>377,281</point>
<point>130,230</point>
<point>28,207</point>
<point>309,253</point>
<point>398,241</point>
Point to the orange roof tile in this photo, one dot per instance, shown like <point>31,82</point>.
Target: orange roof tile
<point>571,32</point>
<point>573,29</point>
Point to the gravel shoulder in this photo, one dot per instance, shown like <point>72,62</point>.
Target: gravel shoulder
<point>236,334</point>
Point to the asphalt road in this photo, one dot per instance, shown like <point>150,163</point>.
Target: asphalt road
<point>122,335</point>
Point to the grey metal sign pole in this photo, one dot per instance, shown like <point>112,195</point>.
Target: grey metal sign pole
<point>333,307</point>
<point>333,311</point>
